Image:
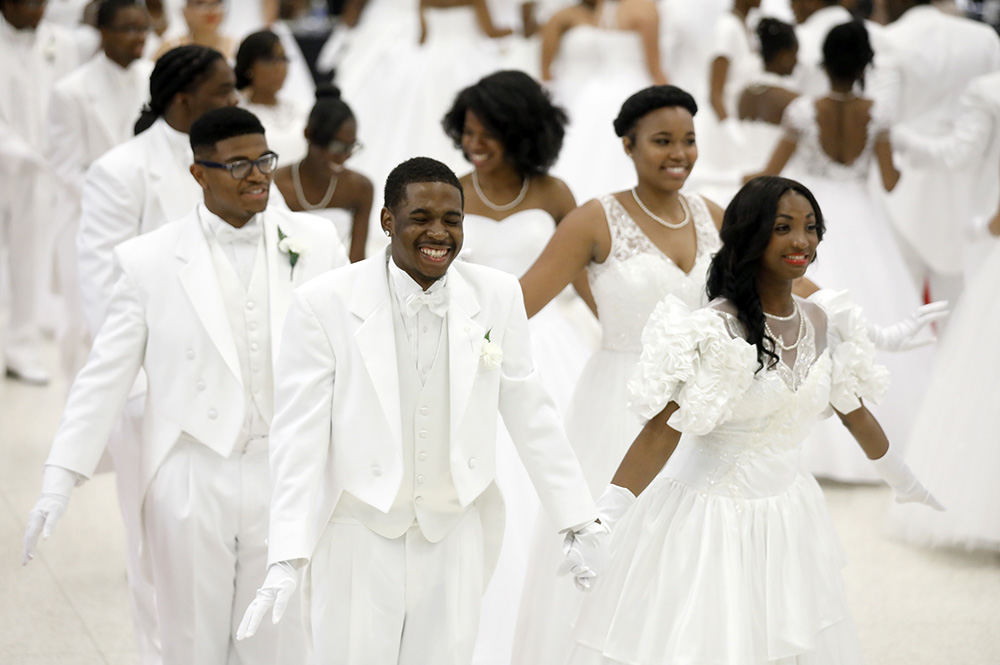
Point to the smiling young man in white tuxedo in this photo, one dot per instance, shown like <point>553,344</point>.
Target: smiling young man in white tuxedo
<point>390,377</point>
<point>199,305</point>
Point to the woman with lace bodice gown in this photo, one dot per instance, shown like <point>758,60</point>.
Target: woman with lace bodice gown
<point>637,246</point>
<point>510,131</point>
<point>728,555</point>
<point>831,144</point>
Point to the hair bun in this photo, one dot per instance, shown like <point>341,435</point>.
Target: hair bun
<point>327,91</point>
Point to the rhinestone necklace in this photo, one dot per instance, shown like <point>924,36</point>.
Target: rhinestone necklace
<point>670,225</point>
<point>301,195</point>
<point>497,206</point>
<point>798,337</point>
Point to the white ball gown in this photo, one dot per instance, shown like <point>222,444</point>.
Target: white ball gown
<point>284,125</point>
<point>635,276</point>
<point>595,71</point>
<point>342,220</point>
<point>563,335</point>
<point>730,557</point>
<point>859,253</point>
<point>954,448</point>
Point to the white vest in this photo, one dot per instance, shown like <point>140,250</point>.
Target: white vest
<point>427,494</point>
<point>248,312</point>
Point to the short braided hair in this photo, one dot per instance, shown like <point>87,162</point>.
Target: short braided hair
<point>177,70</point>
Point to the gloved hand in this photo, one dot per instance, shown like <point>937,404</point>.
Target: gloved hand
<point>900,478</point>
<point>614,502</point>
<point>276,592</point>
<point>901,336</point>
<point>57,484</point>
<point>586,554</point>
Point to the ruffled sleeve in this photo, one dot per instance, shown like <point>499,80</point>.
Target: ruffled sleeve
<point>798,116</point>
<point>856,375</point>
<point>689,358</point>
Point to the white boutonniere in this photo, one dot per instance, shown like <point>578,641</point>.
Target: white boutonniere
<point>293,248</point>
<point>491,355</point>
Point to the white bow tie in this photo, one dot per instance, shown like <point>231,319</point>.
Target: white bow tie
<point>436,302</point>
<point>231,235</point>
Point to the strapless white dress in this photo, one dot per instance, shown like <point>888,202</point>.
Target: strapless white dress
<point>627,286</point>
<point>563,335</point>
<point>343,221</point>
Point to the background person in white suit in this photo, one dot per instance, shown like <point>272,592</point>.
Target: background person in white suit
<point>390,377</point>
<point>199,304</point>
<point>932,58</point>
<point>93,109</point>
<point>133,189</point>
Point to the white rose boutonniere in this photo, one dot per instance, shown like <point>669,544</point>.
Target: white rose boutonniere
<point>491,355</point>
<point>293,248</point>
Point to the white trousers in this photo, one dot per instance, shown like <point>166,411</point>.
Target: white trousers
<point>400,601</point>
<point>205,521</point>
<point>20,237</point>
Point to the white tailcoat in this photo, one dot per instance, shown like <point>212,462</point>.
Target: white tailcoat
<point>337,406</point>
<point>168,318</point>
<point>933,57</point>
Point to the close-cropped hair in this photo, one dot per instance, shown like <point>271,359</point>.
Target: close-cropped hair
<point>775,37</point>
<point>416,170</point>
<point>327,115</point>
<point>847,51</point>
<point>178,70</point>
<point>256,46</point>
<point>648,100</point>
<point>747,227</point>
<point>221,124</point>
<point>515,108</point>
<point>108,10</point>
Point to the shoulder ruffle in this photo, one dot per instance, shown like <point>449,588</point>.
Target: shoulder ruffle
<point>798,115</point>
<point>856,375</point>
<point>688,357</point>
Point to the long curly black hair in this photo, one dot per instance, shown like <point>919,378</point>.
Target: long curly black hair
<point>517,109</point>
<point>746,232</point>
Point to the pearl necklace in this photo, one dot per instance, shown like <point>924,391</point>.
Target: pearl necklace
<point>670,225</point>
<point>841,96</point>
<point>301,195</point>
<point>497,206</point>
<point>783,318</point>
<point>798,337</point>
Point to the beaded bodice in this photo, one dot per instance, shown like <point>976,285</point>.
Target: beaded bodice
<point>636,275</point>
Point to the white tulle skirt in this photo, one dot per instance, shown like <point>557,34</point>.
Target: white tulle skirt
<point>955,447</point>
<point>860,253</point>
<point>698,578</point>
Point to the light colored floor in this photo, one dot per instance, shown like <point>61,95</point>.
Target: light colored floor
<point>69,606</point>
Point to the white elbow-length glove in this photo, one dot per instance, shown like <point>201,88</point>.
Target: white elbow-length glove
<point>585,554</point>
<point>57,484</point>
<point>613,504</point>
<point>900,478</point>
<point>902,335</point>
<point>273,595</point>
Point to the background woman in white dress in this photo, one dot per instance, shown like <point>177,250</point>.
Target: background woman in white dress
<point>831,143</point>
<point>508,129</point>
<point>261,71</point>
<point>729,555</point>
<point>637,246</point>
<point>320,183</point>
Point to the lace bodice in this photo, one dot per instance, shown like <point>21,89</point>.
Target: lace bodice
<point>809,157</point>
<point>511,244</point>
<point>637,275</point>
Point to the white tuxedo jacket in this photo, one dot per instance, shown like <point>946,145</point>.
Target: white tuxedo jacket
<point>337,415</point>
<point>167,317</point>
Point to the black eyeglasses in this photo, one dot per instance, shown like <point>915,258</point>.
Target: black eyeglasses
<point>241,168</point>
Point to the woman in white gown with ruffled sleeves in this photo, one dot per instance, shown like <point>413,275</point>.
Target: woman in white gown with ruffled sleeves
<point>729,555</point>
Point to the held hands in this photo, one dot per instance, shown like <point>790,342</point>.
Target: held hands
<point>613,504</point>
<point>901,336</point>
<point>900,478</point>
<point>586,554</point>
<point>279,584</point>
<point>57,483</point>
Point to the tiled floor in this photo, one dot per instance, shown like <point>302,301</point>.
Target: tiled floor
<point>69,606</point>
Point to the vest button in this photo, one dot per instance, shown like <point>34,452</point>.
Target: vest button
<point>254,346</point>
<point>424,410</point>
<point>376,470</point>
<point>422,455</point>
<point>212,414</point>
<point>472,462</point>
<point>420,479</point>
<point>190,354</point>
<point>201,385</point>
<point>250,304</point>
<point>418,499</point>
<point>252,325</point>
<point>422,434</point>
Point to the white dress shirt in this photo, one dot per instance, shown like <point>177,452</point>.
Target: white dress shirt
<point>240,245</point>
<point>423,329</point>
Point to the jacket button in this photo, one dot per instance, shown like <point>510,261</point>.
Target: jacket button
<point>420,479</point>
<point>376,470</point>
<point>201,385</point>
<point>190,354</point>
<point>250,304</point>
<point>212,414</point>
<point>422,455</point>
<point>472,462</point>
<point>418,499</point>
<point>424,410</point>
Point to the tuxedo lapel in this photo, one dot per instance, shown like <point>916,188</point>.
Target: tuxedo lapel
<point>375,338</point>
<point>99,95</point>
<point>197,275</point>
<point>167,177</point>
<point>465,341</point>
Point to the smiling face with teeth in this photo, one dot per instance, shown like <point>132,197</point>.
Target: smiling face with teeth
<point>235,201</point>
<point>426,230</point>
<point>663,148</point>
<point>794,238</point>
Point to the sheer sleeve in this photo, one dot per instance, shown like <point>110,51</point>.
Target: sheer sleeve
<point>856,375</point>
<point>798,116</point>
<point>688,357</point>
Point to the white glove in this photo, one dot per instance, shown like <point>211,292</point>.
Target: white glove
<point>57,484</point>
<point>901,336</point>
<point>614,503</point>
<point>908,489</point>
<point>279,584</point>
<point>585,552</point>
